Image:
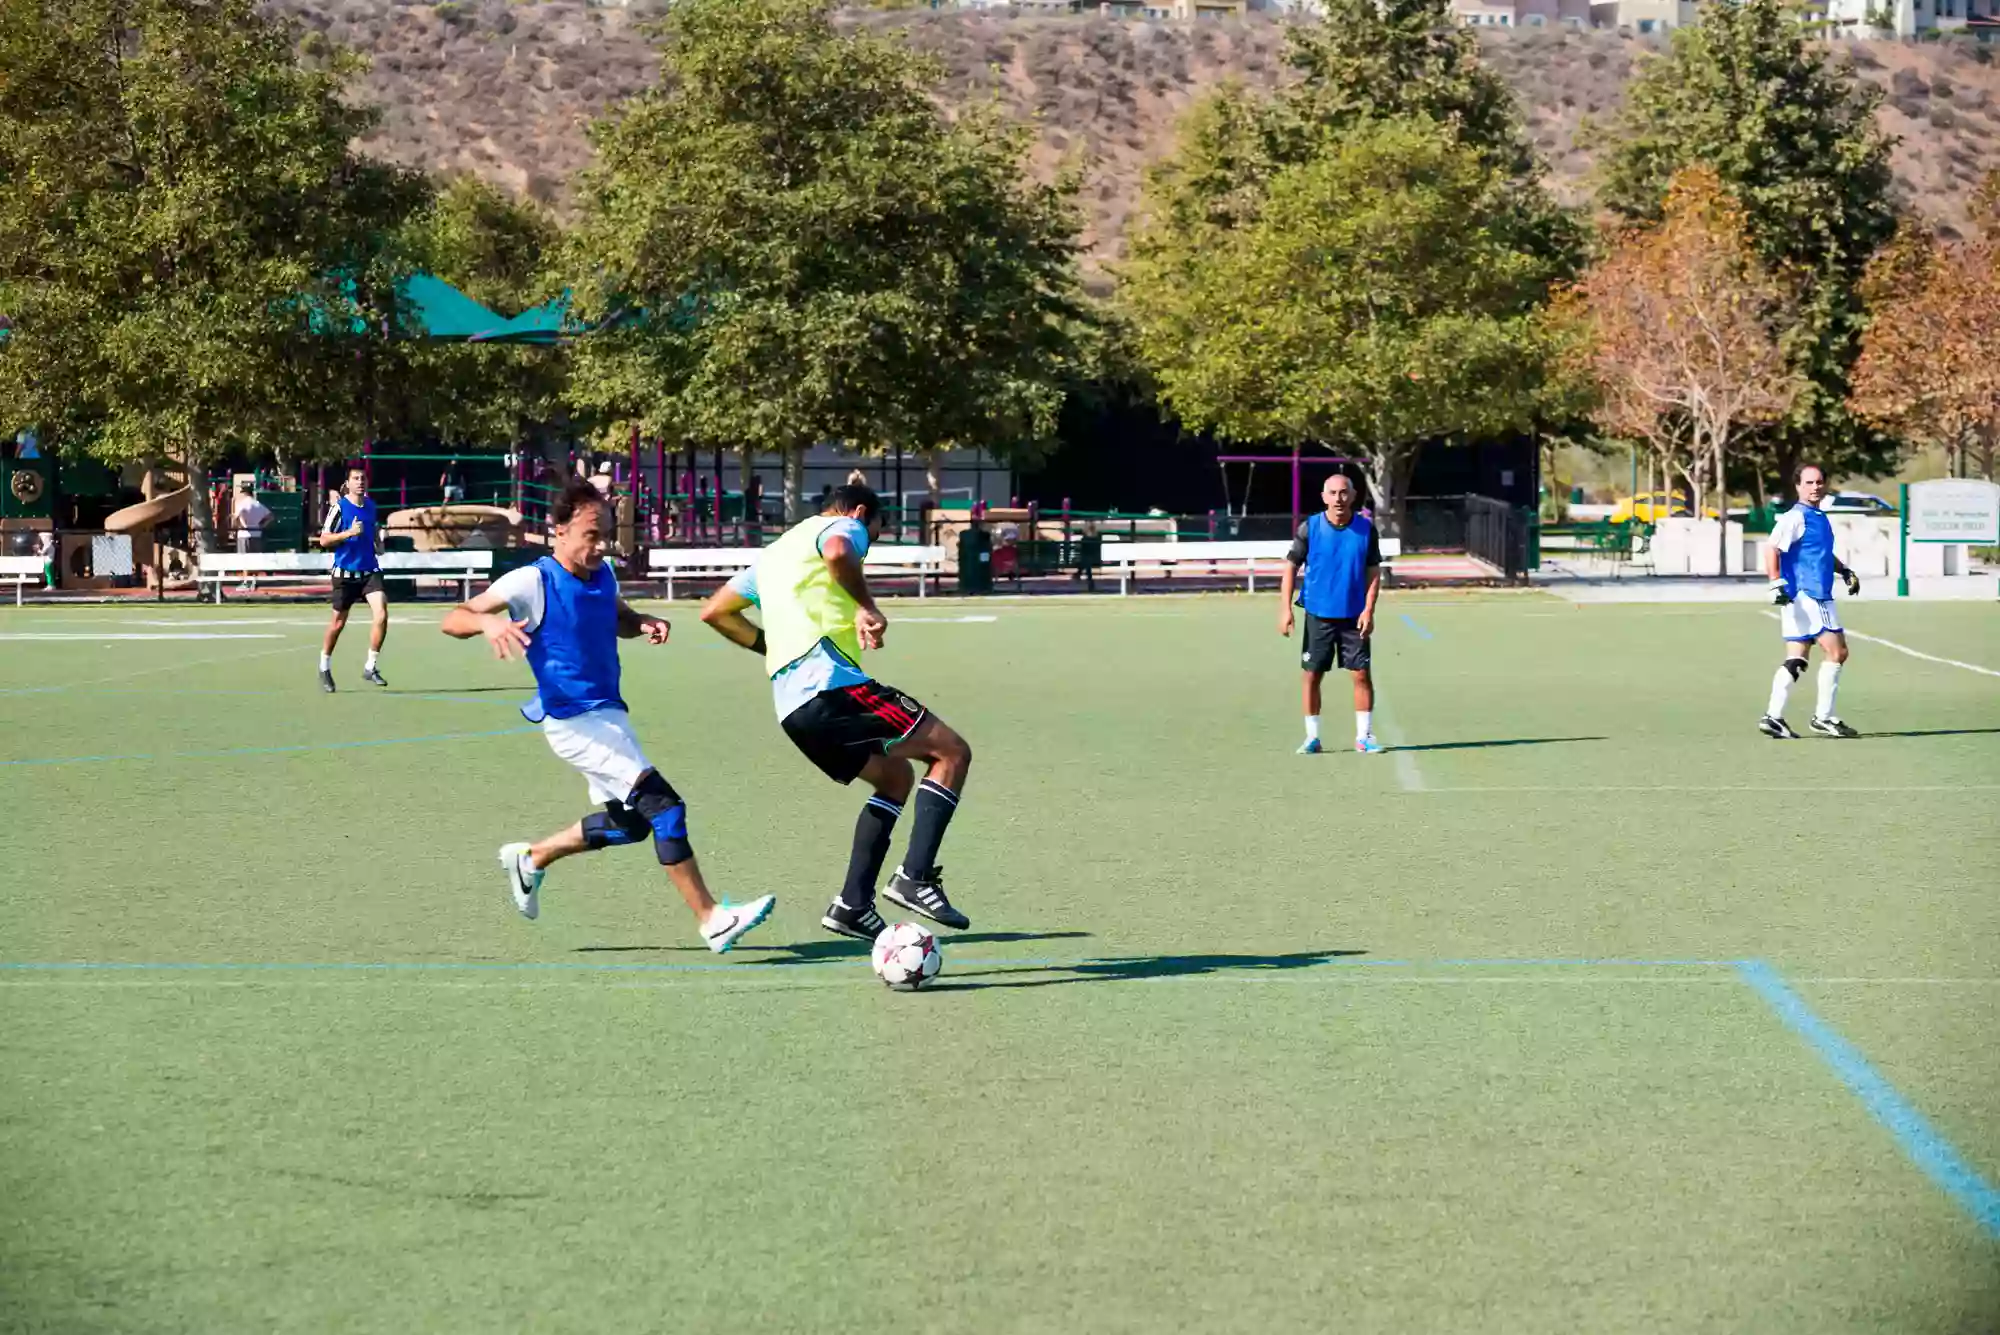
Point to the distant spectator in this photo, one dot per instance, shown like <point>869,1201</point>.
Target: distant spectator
<point>251,518</point>
<point>857,478</point>
<point>452,483</point>
<point>45,547</point>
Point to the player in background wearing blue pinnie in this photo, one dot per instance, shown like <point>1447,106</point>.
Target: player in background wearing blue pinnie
<point>563,614</point>
<point>351,531</point>
<point>1343,574</point>
<point>1801,564</point>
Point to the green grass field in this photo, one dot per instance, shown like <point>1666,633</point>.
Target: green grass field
<point>1450,1039</point>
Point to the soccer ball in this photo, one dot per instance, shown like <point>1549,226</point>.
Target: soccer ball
<point>906,956</point>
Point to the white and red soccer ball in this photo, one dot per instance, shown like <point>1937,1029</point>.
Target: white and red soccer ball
<point>906,956</point>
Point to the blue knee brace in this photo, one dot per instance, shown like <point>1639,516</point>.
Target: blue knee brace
<point>661,808</point>
<point>616,824</point>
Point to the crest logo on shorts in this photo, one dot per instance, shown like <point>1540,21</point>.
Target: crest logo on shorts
<point>910,707</point>
<point>1306,659</point>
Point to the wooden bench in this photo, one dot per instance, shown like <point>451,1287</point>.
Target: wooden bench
<point>672,563</point>
<point>1130,558</point>
<point>20,571</point>
<point>220,568</point>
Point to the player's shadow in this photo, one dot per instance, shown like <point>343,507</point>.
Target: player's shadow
<point>805,952</point>
<point>1498,741</point>
<point>515,689</point>
<point>1134,968</point>
<point>1928,732</point>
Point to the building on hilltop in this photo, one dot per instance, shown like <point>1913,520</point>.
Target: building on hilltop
<point>1908,18</point>
<point>1522,13</point>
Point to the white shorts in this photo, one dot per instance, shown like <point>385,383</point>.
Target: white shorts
<point>1805,619</point>
<point>602,747</point>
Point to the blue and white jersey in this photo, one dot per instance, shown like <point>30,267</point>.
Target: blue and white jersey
<point>823,667</point>
<point>356,556</point>
<point>1803,538</point>
<point>572,627</point>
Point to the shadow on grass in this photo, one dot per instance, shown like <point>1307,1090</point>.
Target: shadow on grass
<point>1506,741</point>
<point>459,690</point>
<point>1925,732</point>
<point>1135,968</point>
<point>805,952</point>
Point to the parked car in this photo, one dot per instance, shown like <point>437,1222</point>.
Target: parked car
<point>1856,503</point>
<point>1651,507</point>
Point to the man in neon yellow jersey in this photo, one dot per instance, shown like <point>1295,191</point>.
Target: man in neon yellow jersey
<point>818,619</point>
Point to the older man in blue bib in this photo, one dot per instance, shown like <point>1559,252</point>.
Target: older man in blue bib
<point>1342,560</point>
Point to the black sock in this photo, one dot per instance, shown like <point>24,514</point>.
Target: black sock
<point>935,803</point>
<point>871,845</point>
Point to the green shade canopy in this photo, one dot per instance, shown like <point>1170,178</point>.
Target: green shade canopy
<point>444,312</point>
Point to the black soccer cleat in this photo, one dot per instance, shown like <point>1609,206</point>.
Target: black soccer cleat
<point>373,677</point>
<point>326,681</point>
<point>926,897</point>
<point>863,924</point>
<point>1776,727</point>
<point>1832,727</point>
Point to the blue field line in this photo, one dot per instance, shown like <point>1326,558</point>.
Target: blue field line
<point>1919,1140</point>
<point>1414,625</point>
<point>275,750</point>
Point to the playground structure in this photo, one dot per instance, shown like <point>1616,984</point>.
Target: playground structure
<point>442,528</point>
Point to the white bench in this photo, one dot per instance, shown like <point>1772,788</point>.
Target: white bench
<point>721,562</point>
<point>1129,558</point>
<point>20,571</point>
<point>219,568</point>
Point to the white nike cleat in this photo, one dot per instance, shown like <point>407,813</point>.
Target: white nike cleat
<point>730,921</point>
<point>524,882</point>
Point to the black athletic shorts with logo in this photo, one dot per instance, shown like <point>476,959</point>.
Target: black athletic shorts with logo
<point>1332,641</point>
<point>351,589</point>
<point>839,729</point>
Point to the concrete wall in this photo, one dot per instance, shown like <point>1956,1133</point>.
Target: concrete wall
<point>1867,544</point>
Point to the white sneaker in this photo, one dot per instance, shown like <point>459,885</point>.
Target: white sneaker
<point>524,882</point>
<point>730,921</point>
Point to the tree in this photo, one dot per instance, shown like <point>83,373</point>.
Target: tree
<point>1747,94</point>
<point>183,225</point>
<point>1677,322</point>
<point>1928,369</point>
<point>787,243</point>
<point>1398,63</point>
<point>1389,291</point>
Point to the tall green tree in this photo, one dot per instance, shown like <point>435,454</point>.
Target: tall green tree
<point>1403,64</point>
<point>1389,292</point>
<point>183,225</point>
<point>1748,94</point>
<point>785,242</point>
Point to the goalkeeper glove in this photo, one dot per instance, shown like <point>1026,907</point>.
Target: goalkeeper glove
<point>1853,583</point>
<point>1778,594</point>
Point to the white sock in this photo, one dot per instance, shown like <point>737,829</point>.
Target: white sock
<point>325,662</point>
<point>1312,727</point>
<point>1829,686</point>
<point>1364,724</point>
<point>369,665</point>
<point>1781,686</point>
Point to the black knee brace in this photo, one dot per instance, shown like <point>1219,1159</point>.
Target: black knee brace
<point>662,810</point>
<point>1796,666</point>
<point>616,824</point>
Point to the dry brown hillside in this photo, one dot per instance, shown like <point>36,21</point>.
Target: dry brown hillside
<point>504,89</point>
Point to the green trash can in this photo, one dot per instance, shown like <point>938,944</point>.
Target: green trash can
<point>975,560</point>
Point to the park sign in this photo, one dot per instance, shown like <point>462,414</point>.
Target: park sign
<point>1954,510</point>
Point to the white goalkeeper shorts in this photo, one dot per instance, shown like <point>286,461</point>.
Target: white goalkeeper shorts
<point>1806,619</point>
<point>602,747</point>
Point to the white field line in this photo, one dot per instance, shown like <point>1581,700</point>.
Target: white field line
<point>1915,653</point>
<point>142,672</point>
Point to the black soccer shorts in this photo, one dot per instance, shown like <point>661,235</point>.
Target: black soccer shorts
<point>1334,641</point>
<point>839,729</point>
<point>351,589</point>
